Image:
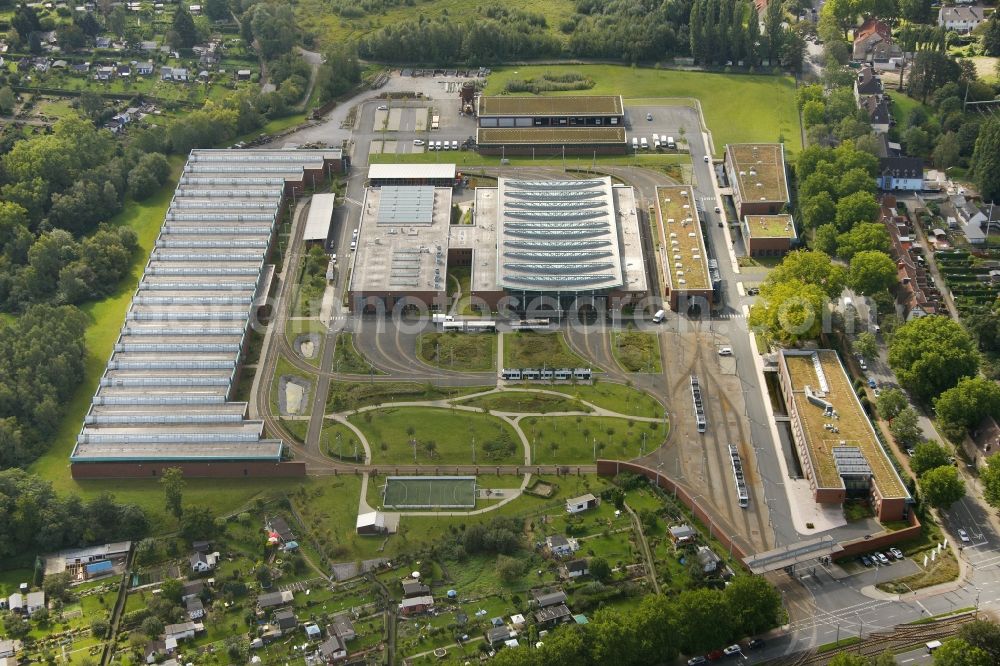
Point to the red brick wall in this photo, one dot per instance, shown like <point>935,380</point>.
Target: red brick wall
<point>882,541</point>
<point>154,470</point>
<point>772,245</point>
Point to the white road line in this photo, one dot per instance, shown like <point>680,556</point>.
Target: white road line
<point>906,661</point>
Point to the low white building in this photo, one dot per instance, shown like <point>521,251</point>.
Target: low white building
<point>581,503</point>
<point>561,546</point>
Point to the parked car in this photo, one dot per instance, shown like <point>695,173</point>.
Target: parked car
<point>756,643</point>
<point>707,159</point>
<point>714,655</point>
<point>882,559</point>
<point>718,210</point>
<point>649,116</point>
<point>753,291</point>
<point>877,392</point>
<point>383,107</point>
<point>695,661</point>
<point>872,383</point>
<point>964,536</point>
<point>865,560</point>
<point>731,650</point>
<point>418,142</point>
<point>725,351</point>
<point>897,553</point>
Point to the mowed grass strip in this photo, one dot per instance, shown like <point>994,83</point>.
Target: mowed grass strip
<point>564,440</point>
<point>536,350</point>
<point>609,395</point>
<point>472,352</point>
<point>739,108</point>
<point>526,402</point>
<point>347,358</point>
<point>345,396</point>
<point>338,441</point>
<point>442,436</point>
<point>636,351</point>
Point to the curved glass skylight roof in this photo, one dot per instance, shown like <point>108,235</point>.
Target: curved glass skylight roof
<point>567,195</point>
<point>558,256</point>
<point>556,245</point>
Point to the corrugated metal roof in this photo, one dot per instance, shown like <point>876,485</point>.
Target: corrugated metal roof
<point>320,215</point>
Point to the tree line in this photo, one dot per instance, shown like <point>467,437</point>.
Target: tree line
<point>36,519</point>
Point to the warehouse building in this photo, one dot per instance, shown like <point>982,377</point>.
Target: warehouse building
<point>837,446</point>
<point>689,280</point>
<point>565,242</point>
<point>436,175</point>
<point>165,399</point>
<point>548,126</point>
<point>768,235</point>
<point>756,174</point>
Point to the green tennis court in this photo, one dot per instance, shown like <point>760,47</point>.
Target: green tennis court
<point>429,492</point>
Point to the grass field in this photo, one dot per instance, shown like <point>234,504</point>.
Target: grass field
<point>347,358</point>
<point>739,108</point>
<point>903,105</point>
<point>458,351</point>
<point>525,402</point>
<point>535,350</point>
<point>442,436</point>
<point>609,395</point>
<point>636,351</point>
<point>987,68</point>
<point>106,318</point>
<point>344,396</point>
<point>572,439</point>
<point>283,368</point>
<point>296,327</point>
<point>315,16</point>
<point>338,441</point>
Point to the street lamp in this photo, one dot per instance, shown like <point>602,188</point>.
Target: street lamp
<point>861,630</point>
<point>978,592</point>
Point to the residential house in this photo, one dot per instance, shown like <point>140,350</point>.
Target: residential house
<point>332,650</point>
<point>498,635</point>
<point>195,10</point>
<point>916,294</point>
<point>343,627</point>
<point>877,109</point>
<point>560,546</point>
<point>886,57</point>
<point>575,569</point>
<point>867,35</point>
<point>243,75</point>
<point>124,71</point>
<point>9,648</point>
<point>277,526</point>
<point>313,632</point>
<point>986,217</point>
<point>867,83</point>
<point>203,562</point>
<point>900,173</point>
<point>286,621</point>
<point>105,73</point>
<point>195,608</point>
<point>415,605</point>
<point>192,589</point>
<point>144,68</point>
<point>33,602</point>
<point>552,615</point>
<point>15,603</point>
<point>545,599</point>
<point>581,503</point>
<point>272,599</point>
<point>414,588</point>
<point>103,42</point>
<point>80,68</point>
<point>179,74</point>
<point>708,560</point>
<point>182,631</point>
<point>681,534</point>
<point>960,19</point>
<point>154,650</point>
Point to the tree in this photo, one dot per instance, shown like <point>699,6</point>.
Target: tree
<point>57,585</point>
<point>754,604</point>
<point>198,522</point>
<point>599,569</point>
<point>930,71</point>
<point>172,590</point>
<point>990,478</point>
<point>217,10</point>
<point>947,151</point>
<point>905,427</point>
<point>509,568</point>
<point>789,311</point>
<point>173,484</point>
<point>866,345</point>
<point>871,271</point>
<point>818,210</point>
<point>856,208</point>
<point>986,159</point>
<point>813,113</point>
<point>99,627</point>
<point>707,621</point>
<point>956,652</point>
<point>984,635</point>
<point>942,486</point>
<point>825,239</point>
<point>263,575</point>
<point>962,407</point>
<point>814,268</point>
<point>7,100</point>
<point>917,141</point>
<point>184,34</point>
<point>927,456</point>
<point>930,355</point>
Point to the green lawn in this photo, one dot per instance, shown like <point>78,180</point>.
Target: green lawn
<point>903,105</point>
<point>389,432</point>
<point>571,439</point>
<point>473,352</point>
<point>636,351</point>
<point>284,368</point>
<point>525,402</point>
<point>610,395</point>
<point>338,441</point>
<point>296,327</point>
<point>347,358</point>
<point>106,318</point>
<point>536,350</point>
<point>345,396</point>
<point>739,108</point>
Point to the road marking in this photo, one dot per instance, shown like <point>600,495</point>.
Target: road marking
<point>906,661</point>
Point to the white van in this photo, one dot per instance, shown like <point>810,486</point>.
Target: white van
<point>635,143</point>
<point>670,143</point>
<point>454,145</point>
<point>658,317</point>
<point>656,144</point>
<point>644,143</point>
<point>656,138</point>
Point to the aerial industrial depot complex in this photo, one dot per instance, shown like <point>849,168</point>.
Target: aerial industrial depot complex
<point>164,399</point>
